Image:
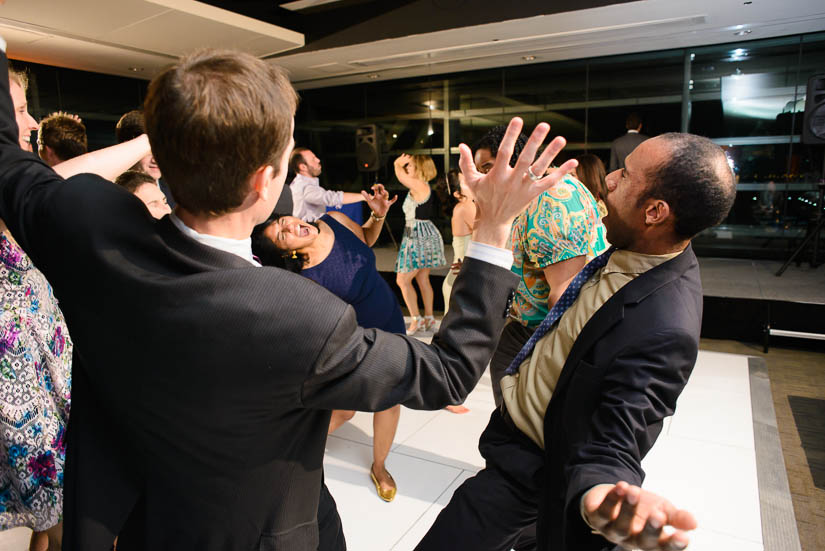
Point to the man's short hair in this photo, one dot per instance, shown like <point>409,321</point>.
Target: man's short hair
<point>130,126</point>
<point>296,159</point>
<point>633,121</point>
<point>131,180</point>
<point>64,134</point>
<point>213,119</point>
<point>20,77</point>
<point>491,141</point>
<point>696,181</point>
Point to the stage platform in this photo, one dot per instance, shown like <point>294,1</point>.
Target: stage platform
<point>743,298</point>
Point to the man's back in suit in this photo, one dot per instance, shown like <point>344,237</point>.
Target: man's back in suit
<point>622,147</point>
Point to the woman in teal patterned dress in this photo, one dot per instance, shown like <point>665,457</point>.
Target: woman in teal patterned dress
<point>422,247</point>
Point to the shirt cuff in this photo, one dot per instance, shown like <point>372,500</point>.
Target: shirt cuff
<point>2,44</point>
<point>490,254</point>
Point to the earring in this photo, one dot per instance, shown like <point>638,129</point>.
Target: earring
<point>294,254</point>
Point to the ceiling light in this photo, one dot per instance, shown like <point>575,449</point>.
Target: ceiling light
<point>528,57</point>
<point>394,136</point>
<point>743,32</point>
<point>136,69</point>
<point>373,76</point>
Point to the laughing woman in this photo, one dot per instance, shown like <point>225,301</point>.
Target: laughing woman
<point>336,254</point>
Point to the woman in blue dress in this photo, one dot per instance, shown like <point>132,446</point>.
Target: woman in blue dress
<point>335,253</point>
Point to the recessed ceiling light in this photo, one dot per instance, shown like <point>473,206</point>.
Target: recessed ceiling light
<point>743,32</point>
<point>528,57</point>
<point>136,69</point>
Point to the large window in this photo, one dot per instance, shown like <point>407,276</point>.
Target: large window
<point>749,97</point>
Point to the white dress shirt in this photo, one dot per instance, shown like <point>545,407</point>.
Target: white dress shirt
<point>310,200</point>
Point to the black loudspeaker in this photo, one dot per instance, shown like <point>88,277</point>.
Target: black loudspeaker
<point>813,128</point>
<point>368,148</point>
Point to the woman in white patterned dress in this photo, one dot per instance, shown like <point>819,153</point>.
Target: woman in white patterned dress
<point>422,247</point>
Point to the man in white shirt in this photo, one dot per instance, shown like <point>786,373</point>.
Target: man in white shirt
<point>310,200</point>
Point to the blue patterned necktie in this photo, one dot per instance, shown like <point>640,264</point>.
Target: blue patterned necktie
<point>567,298</point>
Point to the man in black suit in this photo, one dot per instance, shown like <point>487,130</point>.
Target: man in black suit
<point>202,382</point>
<point>624,145</point>
<point>585,405</point>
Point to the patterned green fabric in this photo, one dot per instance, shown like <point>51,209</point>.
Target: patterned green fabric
<point>562,223</point>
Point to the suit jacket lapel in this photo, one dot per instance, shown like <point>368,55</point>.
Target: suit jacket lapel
<point>613,310</point>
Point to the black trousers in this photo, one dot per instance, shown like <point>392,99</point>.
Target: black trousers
<point>512,339</point>
<point>330,531</point>
<point>490,511</point>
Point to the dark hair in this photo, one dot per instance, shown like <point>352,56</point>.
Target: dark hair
<point>131,180</point>
<point>695,181</point>
<point>213,119</point>
<point>130,126</point>
<point>268,252</point>
<point>633,121</point>
<point>64,134</point>
<point>441,189</point>
<point>491,141</point>
<point>296,159</point>
<point>591,173</point>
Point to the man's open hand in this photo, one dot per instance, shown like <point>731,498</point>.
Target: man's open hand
<point>634,518</point>
<point>505,191</point>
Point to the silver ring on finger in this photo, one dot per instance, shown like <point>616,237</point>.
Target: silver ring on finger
<point>531,175</point>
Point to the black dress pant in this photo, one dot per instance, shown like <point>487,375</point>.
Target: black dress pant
<point>330,531</point>
<point>491,510</point>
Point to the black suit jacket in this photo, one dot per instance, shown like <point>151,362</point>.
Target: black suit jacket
<point>621,379</point>
<point>202,384</point>
<point>622,147</point>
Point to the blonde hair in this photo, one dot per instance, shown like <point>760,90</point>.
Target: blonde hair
<point>424,167</point>
<point>21,78</point>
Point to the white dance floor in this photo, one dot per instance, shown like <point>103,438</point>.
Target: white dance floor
<point>704,461</point>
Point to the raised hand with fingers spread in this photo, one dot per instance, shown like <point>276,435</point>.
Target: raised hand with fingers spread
<point>503,192</point>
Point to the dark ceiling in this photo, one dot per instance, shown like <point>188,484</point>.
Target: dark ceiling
<point>348,22</point>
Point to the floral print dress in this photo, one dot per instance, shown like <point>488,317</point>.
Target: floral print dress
<point>35,385</point>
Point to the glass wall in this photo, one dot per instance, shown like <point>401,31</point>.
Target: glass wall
<point>749,97</point>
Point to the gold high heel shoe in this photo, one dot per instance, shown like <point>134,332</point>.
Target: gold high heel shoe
<point>386,495</point>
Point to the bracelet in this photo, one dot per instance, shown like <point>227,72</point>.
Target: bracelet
<point>376,218</point>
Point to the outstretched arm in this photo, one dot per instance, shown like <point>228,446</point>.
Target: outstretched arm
<point>109,162</point>
<point>370,370</point>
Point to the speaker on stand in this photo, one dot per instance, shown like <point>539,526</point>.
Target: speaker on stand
<point>813,133</point>
<point>368,141</point>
